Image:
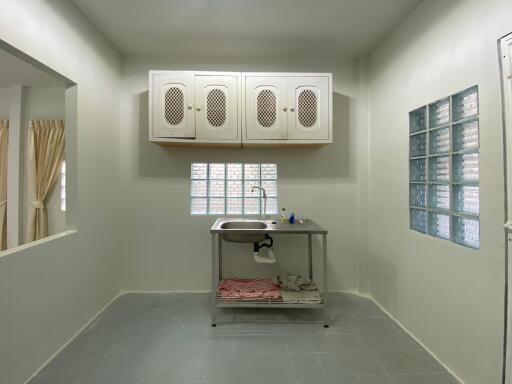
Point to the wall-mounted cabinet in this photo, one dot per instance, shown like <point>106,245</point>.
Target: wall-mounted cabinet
<point>231,108</point>
<point>194,107</point>
<point>286,109</point>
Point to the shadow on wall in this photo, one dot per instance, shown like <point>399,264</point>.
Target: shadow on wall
<point>386,272</point>
<point>330,161</point>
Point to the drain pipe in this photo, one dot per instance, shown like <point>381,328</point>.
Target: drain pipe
<point>270,259</point>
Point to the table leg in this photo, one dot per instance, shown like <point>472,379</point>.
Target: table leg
<point>325,293</point>
<point>219,257</point>
<point>215,280</point>
<point>310,257</point>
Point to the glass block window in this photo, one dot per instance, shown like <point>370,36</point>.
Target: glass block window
<point>444,169</point>
<point>227,189</point>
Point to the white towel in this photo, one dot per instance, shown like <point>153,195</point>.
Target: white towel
<point>301,297</point>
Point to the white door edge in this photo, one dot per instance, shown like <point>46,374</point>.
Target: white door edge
<point>505,53</point>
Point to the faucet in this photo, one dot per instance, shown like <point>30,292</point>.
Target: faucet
<point>264,199</point>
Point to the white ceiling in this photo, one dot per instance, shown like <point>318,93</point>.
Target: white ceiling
<point>14,71</point>
<point>284,28</point>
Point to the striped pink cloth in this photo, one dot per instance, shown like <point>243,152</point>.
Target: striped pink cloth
<point>248,289</point>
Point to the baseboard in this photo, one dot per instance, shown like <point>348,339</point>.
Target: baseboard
<point>383,309</point>
<point>73,337</point>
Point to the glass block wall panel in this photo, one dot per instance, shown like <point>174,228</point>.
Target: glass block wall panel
<point>219,189</point>
<point>234,171</point>
<point>439,113</point>
<point>418,170</point>
<point>216,206</point>
<point>252,206</point>
<point>270,187</point>
<point>466,231</point>
<point>216,188</point>
<point>198,206</point>
<point>251,171</point>
<point>217,172</point>
<point>418,120</point>
<point>439,196</point>
<point>466,167</point>
<point>199,188</point>
<point>234,206</point>
<point>465,136</point>
<point>439,225</point>
<point>418,195</point>
<point>271,206</point>
<point>248,192</point>
<point>439,141</point>
<point>199,171</point>
<point>439,168</point>
<point>418,220</point>
<point>465,104</point>
<point>418,145</point>
<point>444,168</point>
<point>234,188</point>
<point>269,171</point>
<point>466,199</point>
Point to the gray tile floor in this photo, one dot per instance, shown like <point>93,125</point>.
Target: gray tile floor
<point>167,339</point>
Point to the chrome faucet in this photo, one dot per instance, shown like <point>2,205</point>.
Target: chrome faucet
<point>264,199</point>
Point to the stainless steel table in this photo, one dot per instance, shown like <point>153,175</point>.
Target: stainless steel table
<point>308,227</point>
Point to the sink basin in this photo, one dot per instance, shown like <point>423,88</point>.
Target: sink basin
<point>243,225</point>
<point>240,237</point>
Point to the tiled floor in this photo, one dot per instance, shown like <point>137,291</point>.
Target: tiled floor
<point>167,339</point>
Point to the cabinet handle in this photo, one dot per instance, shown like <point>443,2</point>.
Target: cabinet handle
<point>198,109</point>
<point>190,106</point>
<point>292,109</point>
<point>284,109</point>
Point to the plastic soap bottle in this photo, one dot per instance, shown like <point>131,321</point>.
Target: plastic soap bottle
<point>283,219</point>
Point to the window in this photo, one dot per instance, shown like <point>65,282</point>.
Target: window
<point>218,188</point>
<point>63,186</point>
<point>444,189</point>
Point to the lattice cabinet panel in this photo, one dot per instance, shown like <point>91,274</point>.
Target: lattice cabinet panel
<point>172,102</point>
<point>308,103</point>
<point>265,108</point>
<point>217,110</point>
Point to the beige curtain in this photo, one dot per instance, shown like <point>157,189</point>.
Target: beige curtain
<point>4,140</point>
<point>45,155</point>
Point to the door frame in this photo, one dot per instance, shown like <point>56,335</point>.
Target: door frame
<point>505,59</point>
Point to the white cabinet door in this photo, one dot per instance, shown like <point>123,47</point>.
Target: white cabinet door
<point>172,105</point>
<point>308,105</point>
<point>265,108</point>
<point>217,115</point>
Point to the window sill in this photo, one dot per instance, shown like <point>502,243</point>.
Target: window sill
<point>36,243</point>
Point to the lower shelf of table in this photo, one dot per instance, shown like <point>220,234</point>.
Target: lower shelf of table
<point>267,303</point>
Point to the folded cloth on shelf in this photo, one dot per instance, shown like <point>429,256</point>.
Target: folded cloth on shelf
<point>301,297</point>
<point>295,283</point>
<point>249,289</point>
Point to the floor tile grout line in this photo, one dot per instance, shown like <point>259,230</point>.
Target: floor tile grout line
<point>279,333</point>
<point>321,364</point>
<point>374,353</point>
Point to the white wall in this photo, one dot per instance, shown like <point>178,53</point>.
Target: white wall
<point>167,249</point>
<point>4,103</point>
<point>49,291</point>
<point>43,103</point>
<point>449,296</point>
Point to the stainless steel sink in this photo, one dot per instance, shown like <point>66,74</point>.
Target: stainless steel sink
<point>239,226</point>
<point>243,225</point>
